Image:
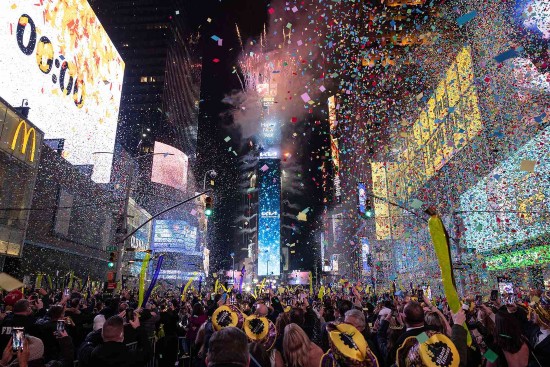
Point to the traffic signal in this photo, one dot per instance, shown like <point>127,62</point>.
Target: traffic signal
<point>208,206</point>
<point>112,260</point>
<point>369,212</point>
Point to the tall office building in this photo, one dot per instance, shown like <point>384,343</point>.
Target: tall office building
<point>162,81</point>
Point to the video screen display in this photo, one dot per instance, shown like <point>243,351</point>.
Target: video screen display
<point>57,57</point>
<point>511,204</point>
<point>269,223</point>
<point>170,166</point>
<point>175,236</point>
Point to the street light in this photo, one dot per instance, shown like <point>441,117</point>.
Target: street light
<point>267,263</point>
<point>128,190</point>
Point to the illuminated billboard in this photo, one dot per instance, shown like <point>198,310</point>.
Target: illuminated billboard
<point>365,253</point>
<point>170,166</point>
<point>511,204</point>
<point>269,222</point>
<point>58,57</point>
<point>362,198</point>
<point>136,217</point>
<point>175,236</point>
<point>447,123</point>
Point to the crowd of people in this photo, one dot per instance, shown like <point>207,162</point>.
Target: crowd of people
<point>286,328</point>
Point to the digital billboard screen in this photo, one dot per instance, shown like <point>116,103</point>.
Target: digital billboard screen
<point>170,166</point>
<point>175,236</point>
<point>269,222</point>
<point>365,253</point>
<point>511,204</point>
<point>58,57</point>
<point>362,198</point>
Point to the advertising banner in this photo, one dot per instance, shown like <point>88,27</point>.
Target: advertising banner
<point>170,166</point>
<point>269,223</point>
<point>175,236</point>
<point>57,56</point>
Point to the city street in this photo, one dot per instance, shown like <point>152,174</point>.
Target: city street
<point>301,183</point>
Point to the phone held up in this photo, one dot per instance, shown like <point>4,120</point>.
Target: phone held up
<point>17,335</point>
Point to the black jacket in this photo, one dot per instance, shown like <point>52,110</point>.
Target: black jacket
<point>113,354</point>
<point>11,320</point>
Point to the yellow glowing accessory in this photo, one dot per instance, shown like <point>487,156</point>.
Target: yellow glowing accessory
<point>441,246</point>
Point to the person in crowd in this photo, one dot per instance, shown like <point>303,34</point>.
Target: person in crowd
<point>92,340</point>
<point>539,332</point>
<point>113,352</point>
<point>414,325</point>
<point>508,337</point>
<point>21,316</point>
<point>299,350</point>
<point>258,355</point>
<point>194,323</point>
<point>357,319</point>
<point>228,348</point>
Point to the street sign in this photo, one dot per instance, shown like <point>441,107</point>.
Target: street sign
<point>111,248</point>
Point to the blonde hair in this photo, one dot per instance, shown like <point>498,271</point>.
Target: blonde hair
<point>296,346</point>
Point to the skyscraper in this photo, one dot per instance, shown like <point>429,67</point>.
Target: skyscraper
<point>162,81</point>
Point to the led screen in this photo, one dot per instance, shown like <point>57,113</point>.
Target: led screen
<point>365,253</point>
<point>269,223</point>
<point>175,236</point>
<point>170,166</point>
<point>56,55</point>
<point>362,198</point>
<point>511,204</point>
<point>136,217</point>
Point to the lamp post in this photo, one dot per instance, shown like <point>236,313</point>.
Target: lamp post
<point>267,263</point>
<point>124,214</point>
<point>233,267</point>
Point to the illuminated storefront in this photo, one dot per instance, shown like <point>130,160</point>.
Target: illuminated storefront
<point>20,146</point>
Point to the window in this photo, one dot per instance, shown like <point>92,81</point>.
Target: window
<point>148,79</point>
<point>63,214</point>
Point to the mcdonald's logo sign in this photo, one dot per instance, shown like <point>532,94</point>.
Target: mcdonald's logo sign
<point>26,136</point>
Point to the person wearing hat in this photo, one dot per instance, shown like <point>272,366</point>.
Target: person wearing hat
<point>539,332</point>
<point>348,348</point>
<point>30,355</point>
<point>261,330</point>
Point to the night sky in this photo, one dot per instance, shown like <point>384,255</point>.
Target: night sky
<point>215,124</point>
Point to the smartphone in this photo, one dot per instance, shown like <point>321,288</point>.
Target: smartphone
<point>66,292</point>
<point>130,314</point>
<point>494,295</point>
<point>60,325</point>
<point>420,295</point>
<point>17,335</point>
<point>224,297</point>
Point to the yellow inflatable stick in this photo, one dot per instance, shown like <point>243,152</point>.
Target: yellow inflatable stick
<point>142,274</point>
<point>442,251</point>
